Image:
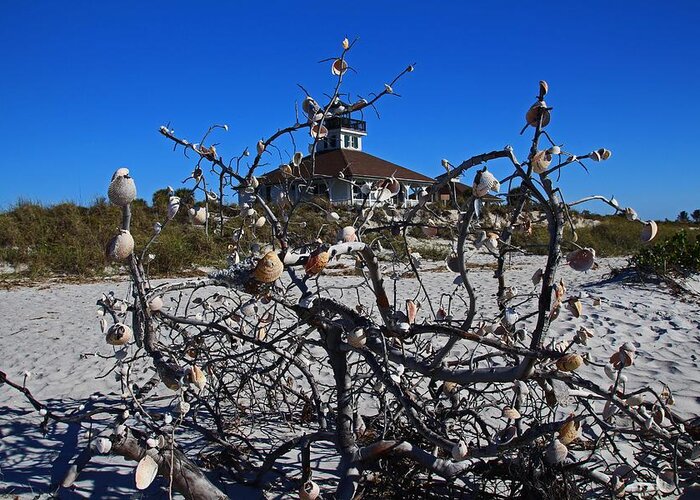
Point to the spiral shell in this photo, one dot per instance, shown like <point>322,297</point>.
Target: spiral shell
<point>357,338</point>
<point>121,246</point>
<point>119,334</point>
<point>485,182</point>
<point>198,215</point>
<point>196,376</point>
<point>122,188</point>
<point>269,268</point>
<point>569,431</point>
<point>309,491</point>
<point>582,259</point>
<point>556,452</point>
<point>570,362</point>
<point>347,234</point>
<point>316,262</point>
<point>460,451</point>
<point>649,231</point>
<point>540,161</point>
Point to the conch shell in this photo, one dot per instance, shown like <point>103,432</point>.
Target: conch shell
<point>121,246</point>
<point>269,268</point>
<point>485,182</point>
<point>119,334</point>
<point>582,259</point>
<point>570,362</point>
<point>649,231</point>
<point>316,262</point>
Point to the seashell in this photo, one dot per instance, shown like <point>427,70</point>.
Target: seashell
<point>411,311</point>
<point>366,188</point>
<point>449,387</point>
<point>570,362</point>
<point>492,242</point>
<point>146,471</point>
<point>388,89</point>
<point>569,431</point>
<point>268,268</point>
<point>554,150</point>
<point>260,222</point>
<point>357,338</point>
<point>393,186</point>
<point>101,445</point>
<point>122,188</point>
<point>155,304</point>
<point>485,182</point>
<point>510,413</point>
<point>649,231</point>
<point>537,110</point>
<point>594,155</point>
<point>253,182</point>
<point>480,239</point>
<point>310,106</point>
<point>119,334</point>
<point>347,234</point>
<point>605,154</point>
<point>173,206</point>
<point>309,491</point>
<point>574,305</point>
<point>296,159</point>
<point>452,263</point>
<point>628,346</point>
<point>537,276</point>
<point>556,452</point>
<point>316,262</point>
<point>511,316</point>
<point>198,216</point>
<point>332,217</point>
<point>582,259</point>
<point>346,44</point>
<point>318,131</point>
<point>261,334</point>
<point>430,231</point>
<point>666,481</point>
<point>460,451</point>
<point>610,372</point>
<point>152,442</point>
<point>582,335</point>
<point>286,170</point>
<point>121,246</point>
<point>196,376</point>
<point>544,88</point>
<point>540,161</point>
<point>631,214</point>
<point>384,194</point>
<point>260,147</point>
<point>339,67</point>
<point>635,400</point>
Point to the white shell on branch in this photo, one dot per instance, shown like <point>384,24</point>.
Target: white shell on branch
<point>173,206</point>
<point>347,234</point>
<point>198,215</point>
<point>121,246</point>
<point>195,375</point>
<point>146,471</point>
<point>102,445</point>
<point>485,182</point>
<point>540,161</point>
<point>122,188</point>
<point>460,451</point>
<point>155,304</point>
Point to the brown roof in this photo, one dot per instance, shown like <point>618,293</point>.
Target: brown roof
<point>353,164</point>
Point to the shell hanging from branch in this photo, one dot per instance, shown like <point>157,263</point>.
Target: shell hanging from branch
<point>119,334</point>
<point>316,262</point>
<point>347,234</point>
<point>485,182</point>
<point>198,216</point>
<point>122,188</point>
<point>268,268</point>
<point>540,162</point>
<point>146,471</point>
<point>121,246</point>
<point>582,259</point>
<point>537,110</point>
<point>173,206</point>
<point>649,231</point>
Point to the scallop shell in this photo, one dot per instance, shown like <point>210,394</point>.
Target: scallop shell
<point>155,304</point>
<point>540,161</point>
<point>347,234</point>
<point>485,182</point>
<point>122,188</point>
<point>570,362</point>
<point>556,452</point>
<point>460,451</point>
<point>339,67</point>
<point>173,206</point>
<point>569,431</point>
<point>198,215</point>
<point>119,334</point>
<point>196,376</point>
<point>532,117</point>
<point>510,413</point>
<point>574,305</point>
<point>309,491</point>
<point>146,471</point>
<point>411,311</point>
<point>357,338</point>
<point>622,359</point>
<point>537,276</point>
<point>269,268</point>
<point>121,246</point>
<point>316,262</point>
<point>649,231</point>
<point>582,259</point>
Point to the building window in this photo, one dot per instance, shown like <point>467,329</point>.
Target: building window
<point>355,142</point>
<point>346,140</point>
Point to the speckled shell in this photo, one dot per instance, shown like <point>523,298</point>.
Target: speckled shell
<point>122,188</point>
<point>569,432</point>
<point>582,259</point>
<point>309,491</point>
<point>119,334</point>
<point>649,231</point>
<point>485,182</point>
<point>269,268</point>
<point>316,262</point>
<point>121,246</point>
<point>540,161</point>
<point>196,376</point>
<point>347,234</point>
<point>570,362</point>
<point>533,114</point>
<point>198,215</point>
<point>556,452</point>
<point>146,471</point>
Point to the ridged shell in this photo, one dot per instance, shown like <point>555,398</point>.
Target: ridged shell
<point>309,491</point>
<point>121,246</point>
<point>198,215</point>
<point>533,114</point>
<point>196,376</point>
<point>146,472</point>
<point>540,162</point>
<point>316,262</point>
<point>357,338</point>
<point>460,451</point>
<point>269,268</point>
<point>649,231</point>
<point>556,452</point>
<point>582,259</point>
<point>119,334</point>
<point>569,432</point>
<point>122,188</point>
<point>347,234</point>
<point>570,362</point>
<point>485,182</point>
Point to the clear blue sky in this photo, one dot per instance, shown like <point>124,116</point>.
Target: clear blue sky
<point>85,85</point>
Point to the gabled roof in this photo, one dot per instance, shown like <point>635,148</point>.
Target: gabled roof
<point>352,164</point>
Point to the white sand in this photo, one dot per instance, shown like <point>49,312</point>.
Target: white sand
<point>47,329</point>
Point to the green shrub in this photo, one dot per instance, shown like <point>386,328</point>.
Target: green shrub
<point>676,255</point>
